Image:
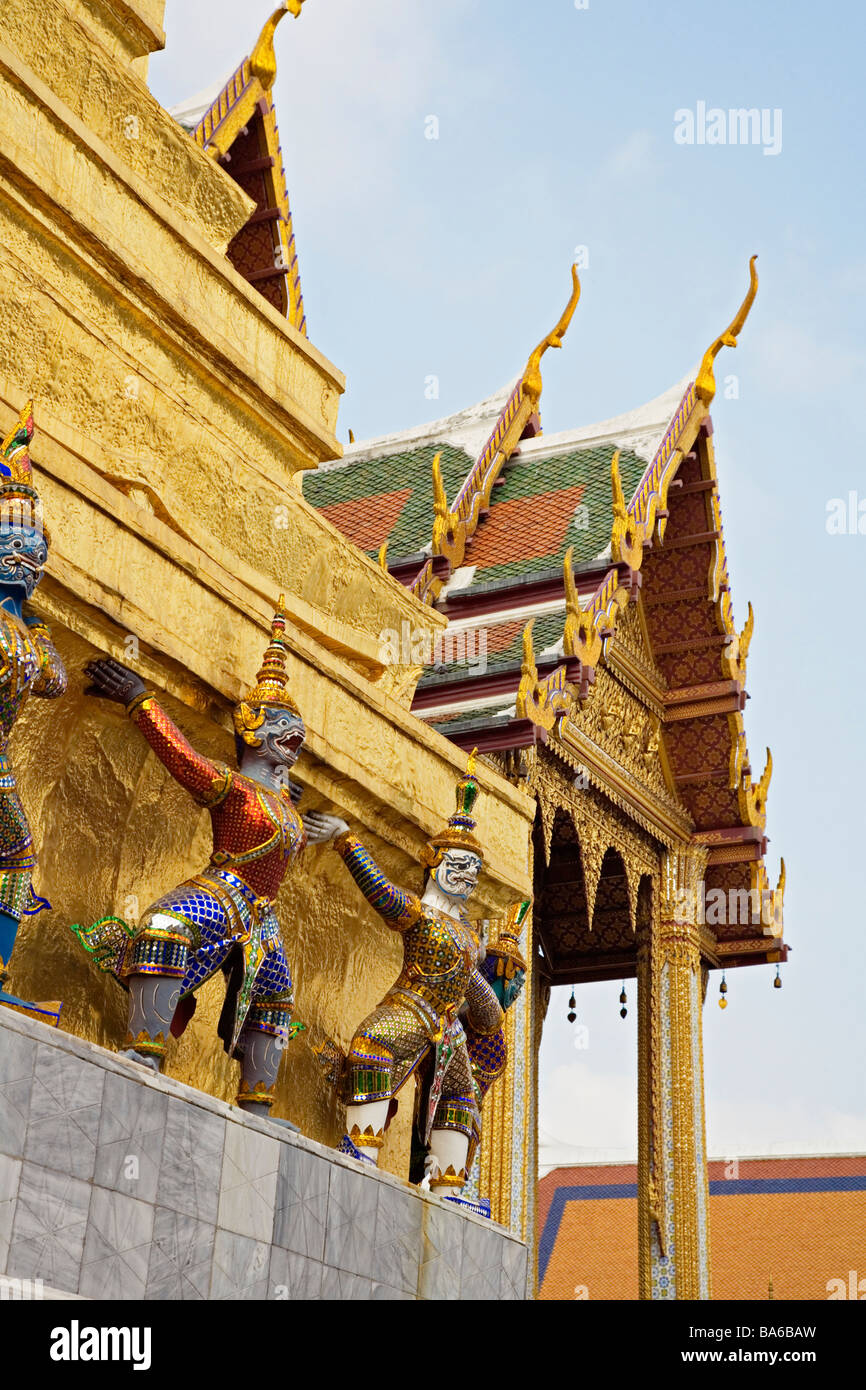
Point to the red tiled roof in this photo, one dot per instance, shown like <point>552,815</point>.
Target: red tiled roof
<point>521,530</point>
<point>368,521</point>
<point>793,1220</point>
<point>499,638</point>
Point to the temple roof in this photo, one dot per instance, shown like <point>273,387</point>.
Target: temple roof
<point>234,121</point>
<point>381,490</point>
<point>554,494</point>
<point>593,552</point>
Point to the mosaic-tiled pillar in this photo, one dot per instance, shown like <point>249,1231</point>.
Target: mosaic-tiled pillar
<point>506,1168</point>
<point>673,1191</point>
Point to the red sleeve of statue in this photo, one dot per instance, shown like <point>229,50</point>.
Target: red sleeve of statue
<point>207,782</point>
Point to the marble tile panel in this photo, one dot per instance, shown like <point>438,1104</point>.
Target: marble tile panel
<point>240,1267</point>
<point>65,1103</point>
<point>249,1183</point>
<point>512,1281</point>
<point>397,1242</point>
<point>49,1227</point>
<point>117,1247</point>
<point>301,1202</point>
<point>10,1171</point>
<point>192,1158</point>
<point>441,1253</point>
<point>351,1224</point>
<point>338,1286</point>
<point>130,1138</point>
<point>482,1264</point>
<point>17,1058</point>
<point>294,1278</point>
<point>385,1293</point>
<point>181,1257</point>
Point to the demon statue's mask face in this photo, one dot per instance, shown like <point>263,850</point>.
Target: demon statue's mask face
<point>23,553</point>
<point>457,873</point>
<point>281,735</point>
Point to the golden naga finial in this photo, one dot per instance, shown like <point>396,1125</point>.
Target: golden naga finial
<point>744,641</point>
<point>532,375</point>
<point>528,674</point>
<point>619,510</point>
<point>705,382</point>
<point>263,60</point>
<point>746,634</point>
<point>528,648</point>
<point>766,775</point>
<point>572,597</point>
<point>440,500</point>
<point>382,557</point>
<point>759,791</point>
<point>580,636</point>
<point>627,536</point>
<point>470,763</point>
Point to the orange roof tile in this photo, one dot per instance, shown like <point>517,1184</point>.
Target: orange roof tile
<point>368,521</point>
<point>522,529</point>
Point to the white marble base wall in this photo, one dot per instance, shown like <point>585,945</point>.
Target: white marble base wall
<point>118,1184</point>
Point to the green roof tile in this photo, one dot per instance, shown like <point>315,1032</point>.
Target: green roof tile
<point>373,477</point>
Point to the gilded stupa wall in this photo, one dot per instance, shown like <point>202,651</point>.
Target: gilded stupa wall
<point>174,411</point>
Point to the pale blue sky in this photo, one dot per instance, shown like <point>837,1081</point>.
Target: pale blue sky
<point>451,257</point>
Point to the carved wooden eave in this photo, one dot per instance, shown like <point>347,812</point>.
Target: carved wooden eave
<point>592,858</point>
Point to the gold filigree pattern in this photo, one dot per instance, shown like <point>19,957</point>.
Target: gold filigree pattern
<point>619,723</point>
<point>598,824</point>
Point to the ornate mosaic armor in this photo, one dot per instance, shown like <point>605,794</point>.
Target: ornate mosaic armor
<point>222,918</point>
<point>418,1018</point>
<point>191,931</point>
<point>29,665</point>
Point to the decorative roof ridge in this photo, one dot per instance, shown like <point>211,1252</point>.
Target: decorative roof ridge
<point>455,525</point>
<point>188,113</point>
<point>628,430</point>
<point>639,430</point>
<point>236,100</point>
<point>517,581</point>
<point>635,524</point>
<point>217,116</point>
<point>466,429</point>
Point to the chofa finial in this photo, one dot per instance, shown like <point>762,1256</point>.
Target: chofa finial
<point>532,374</point>
<point>705,382</point>
<point>263,60</point>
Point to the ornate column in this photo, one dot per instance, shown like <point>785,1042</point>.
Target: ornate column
<point>673,1191</point>
<point>507,1163</point>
